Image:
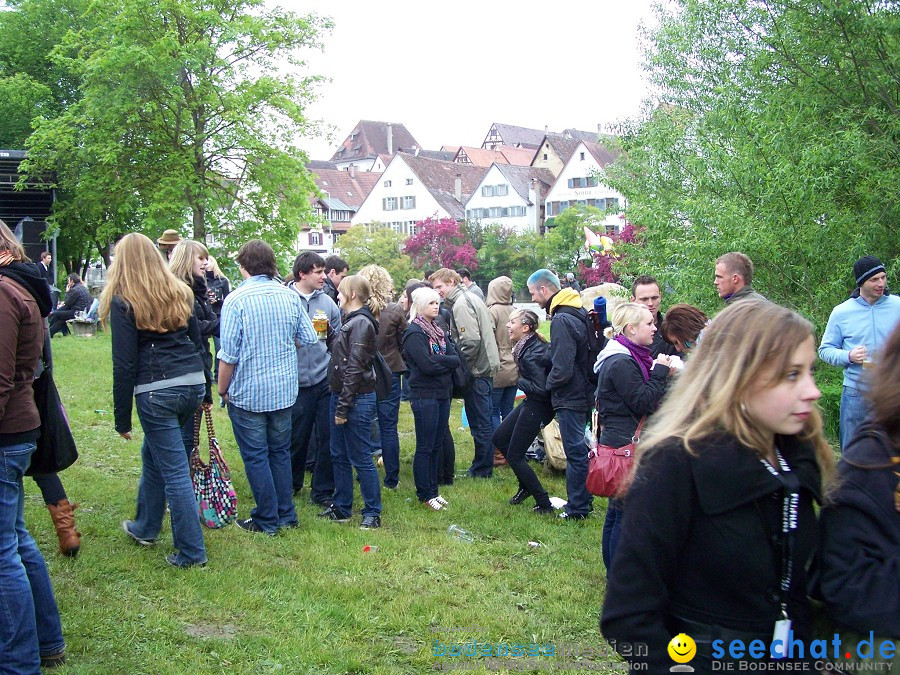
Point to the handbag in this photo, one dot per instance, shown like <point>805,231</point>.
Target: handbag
<point>609,467</point>
<point>56,449</point>
<point>384,378</point>
<point>216,498</point>
<point>553,446</point>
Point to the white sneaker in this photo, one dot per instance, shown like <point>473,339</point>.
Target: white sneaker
<point>440,500</point>
<point>433,504</point>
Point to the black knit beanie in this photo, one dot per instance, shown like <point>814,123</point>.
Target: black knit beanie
<point>866,267</point>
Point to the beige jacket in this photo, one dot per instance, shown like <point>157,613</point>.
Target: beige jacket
<point>499,303</point>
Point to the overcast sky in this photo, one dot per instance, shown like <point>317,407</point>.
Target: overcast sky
<point>448,70</point>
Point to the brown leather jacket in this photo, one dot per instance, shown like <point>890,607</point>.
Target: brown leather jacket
<point>391,324</point>
<point>352,370</point>
<point>21,340</point>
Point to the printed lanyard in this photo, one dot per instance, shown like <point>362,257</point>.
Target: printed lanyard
<point>789,514</point>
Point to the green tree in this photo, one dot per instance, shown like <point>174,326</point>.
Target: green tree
<point>377,245</point>
<point>775,131</point>
<point>505,252</point>
<point>189,110</point>
<point>562,248</point>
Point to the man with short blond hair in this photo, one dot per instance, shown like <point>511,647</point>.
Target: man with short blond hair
<point>733,275</point>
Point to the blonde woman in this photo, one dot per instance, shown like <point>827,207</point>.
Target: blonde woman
<point>218,289</point>
<point>630,385</point>
<point>391,324</point>
<point>720,521</point>
<point>156,353</point>
<point>351,378</point>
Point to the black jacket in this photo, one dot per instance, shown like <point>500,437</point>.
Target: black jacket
<point>860,563</point>
<point>78,299</point>
<point>352,370</point>
<point>206,317</point>
<point>330,290</point>
<point>142,357</point>
<point>623,397</point>
<point>660,345</point>
<point>532,366</point>
<point>221,287</point>
<point>701,540</point>
<point>567,380</point>
<point>430,374</point>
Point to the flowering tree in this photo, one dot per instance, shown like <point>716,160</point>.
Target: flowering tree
<point>601,269</point>
<point>441,243</point>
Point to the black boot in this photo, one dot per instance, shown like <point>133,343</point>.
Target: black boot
<point>520,496</point>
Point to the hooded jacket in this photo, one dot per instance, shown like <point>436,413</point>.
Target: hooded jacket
<point>499,304</point>
<point>353,360</point>
<point>24,300</point>
<point>473,332</point>
<point>430,374</point>
<point>567,381</point>
<point>313,360</point>
<point>745,293</point>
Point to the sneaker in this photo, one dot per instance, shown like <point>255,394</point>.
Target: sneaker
<point>520,496</point>
<point>433,504</point>
<point>54,659</point>
<point>142,542</point>
<point>544,510</point>
<point>565,515</point>
<point>334,515</point>
<point>172,559</point>
<point>249,525</point>
<point>391,487</point>
<point>440,500</point>
<point>370,523</point>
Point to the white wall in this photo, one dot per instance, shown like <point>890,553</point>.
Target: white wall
<point>511,199</point>
<point>579,168</point>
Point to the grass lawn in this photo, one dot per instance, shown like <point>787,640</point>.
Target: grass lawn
<point>309,600</point>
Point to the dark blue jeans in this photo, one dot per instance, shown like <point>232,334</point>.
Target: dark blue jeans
<point>571,429</point>
<point>431,417</point>
<point>352,449</point>
<point>309,413</point>
<point>478,410</point>
<point>612,528</point>
<point>29,618</point>
<point>502,401</point>
<point>388,414</point>
<point>165,475</point>
<point>264,439</point>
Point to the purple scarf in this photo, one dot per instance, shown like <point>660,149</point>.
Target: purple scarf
<point>640,353</point>
<point>434,333</point>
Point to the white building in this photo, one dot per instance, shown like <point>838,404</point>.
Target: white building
<point>577,183</point>
<point>511,196</point>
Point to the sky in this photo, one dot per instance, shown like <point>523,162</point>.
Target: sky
<point>448,70</point>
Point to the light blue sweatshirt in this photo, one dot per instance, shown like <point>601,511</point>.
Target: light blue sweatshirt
<point>855,322</point>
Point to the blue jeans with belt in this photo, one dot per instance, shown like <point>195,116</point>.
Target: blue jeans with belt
<point>29,618</point>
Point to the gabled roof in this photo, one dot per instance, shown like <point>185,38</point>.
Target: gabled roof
<point>587,136</point>
<point>504,154</point>
<point>443,155</point>
<point>520,178</point>
<point>351,190</point>
<point>439,178</point>
<point>320,164</point>
<point>562,145</point>
<point>519,136</point>
<point>602,154</point>
<point>370,139</point>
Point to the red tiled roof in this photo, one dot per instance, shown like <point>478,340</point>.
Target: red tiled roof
<point>369,139</point>
<point>439,178</point>
<point>352,190</point>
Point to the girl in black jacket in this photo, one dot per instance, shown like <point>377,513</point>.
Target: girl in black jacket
<point>156,358</point>
<point>719,526</point>
<point>351,378</point>
<point>518,430</point>
<point>431,358</point>
<point>630,385</point>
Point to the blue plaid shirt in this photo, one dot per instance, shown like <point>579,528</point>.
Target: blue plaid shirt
<point>261,324</point>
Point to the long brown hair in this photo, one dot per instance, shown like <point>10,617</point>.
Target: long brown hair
<point>748,344</point>
<point>8,242</point>
<point>884,392</point>
<point>181,260</point>
<point>139,275</point>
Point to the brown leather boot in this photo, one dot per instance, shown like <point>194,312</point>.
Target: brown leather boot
<point>63,515</point>
<point>499,458</point>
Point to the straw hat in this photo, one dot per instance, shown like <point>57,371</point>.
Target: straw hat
<point>169,238</point>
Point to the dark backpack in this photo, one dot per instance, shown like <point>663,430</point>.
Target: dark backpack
<point>596,340</point>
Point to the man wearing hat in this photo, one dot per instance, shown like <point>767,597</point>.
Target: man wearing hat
<point>168,241</point>
<point>856,331</point>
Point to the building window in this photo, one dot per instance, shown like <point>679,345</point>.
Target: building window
<point>494,190</point>
<point>407,202</point>
<point>389,204</point>
<point>545,156</point>
<point>315,238</point>
<point>582,156</point>
<point>409,181</point>
<point>387,183</point>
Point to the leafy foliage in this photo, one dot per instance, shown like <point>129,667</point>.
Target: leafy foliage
<point>441,243</point>
<point>601,269</point>
<point>379,245</point>
<point>505,252</point>
<point>775,132</point>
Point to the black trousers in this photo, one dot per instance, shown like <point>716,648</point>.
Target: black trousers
<point>515,435</point>
<point>58,318</point>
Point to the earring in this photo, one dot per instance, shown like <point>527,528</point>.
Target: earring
<point>743,408</point>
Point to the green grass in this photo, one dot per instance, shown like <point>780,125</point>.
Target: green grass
<point>309,600</point>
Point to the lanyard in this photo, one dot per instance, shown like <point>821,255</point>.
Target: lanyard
<point>789,514</point>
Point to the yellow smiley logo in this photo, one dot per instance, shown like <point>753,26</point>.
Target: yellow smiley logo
<point>682,648</point>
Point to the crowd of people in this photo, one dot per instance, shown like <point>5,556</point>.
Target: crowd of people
<point>731,462</point>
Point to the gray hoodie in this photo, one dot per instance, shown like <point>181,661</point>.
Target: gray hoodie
<point>313,360</point>
<point>611,349</point>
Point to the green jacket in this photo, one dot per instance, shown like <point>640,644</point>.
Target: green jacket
<point>473,332</point>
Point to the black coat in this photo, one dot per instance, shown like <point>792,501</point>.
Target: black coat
<point>78,299</point>
<point>352,369</point>
<point>567,380</point>
<point>330,290</point>
<point>623,397</point>
<point>701,541</point>
<point>532,365</point>
<point>660,345</point>
<point>430,374</point>
<point>860,563</point>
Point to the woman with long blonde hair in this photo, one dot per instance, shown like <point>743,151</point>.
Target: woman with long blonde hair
<point>720,523</point>
<point>156,352</point>
<point>219,288</point>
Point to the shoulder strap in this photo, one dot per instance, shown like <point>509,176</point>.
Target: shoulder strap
<point>637,432</point>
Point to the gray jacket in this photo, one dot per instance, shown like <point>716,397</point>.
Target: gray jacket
<point>313,360</point>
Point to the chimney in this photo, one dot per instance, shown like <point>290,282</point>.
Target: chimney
<point>390,139</point>
<point>416,148</point>
<point>352,170</point>
<point>545,129</point>
<point>457,187</point>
